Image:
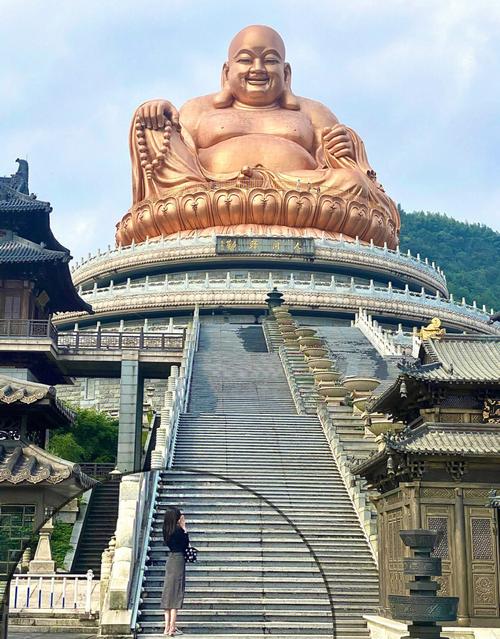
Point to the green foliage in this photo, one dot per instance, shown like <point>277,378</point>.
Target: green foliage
<point>467,253</point>
<point>65,445</point>
<point>92,438</point>
<point>59,542</point>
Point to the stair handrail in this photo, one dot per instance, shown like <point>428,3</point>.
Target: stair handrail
<point>267,336</point>
<point>355,488</point>
<point>140,566</point>
<point>183,387</point>
<point>292,384</point>
<point>176,398</point>
<point>135,510</point>
<point>383,341</point>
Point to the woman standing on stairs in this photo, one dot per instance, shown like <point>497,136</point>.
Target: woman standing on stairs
<point>177,540</point>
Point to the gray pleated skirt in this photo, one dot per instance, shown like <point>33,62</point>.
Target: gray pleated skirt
<point>175,582</point>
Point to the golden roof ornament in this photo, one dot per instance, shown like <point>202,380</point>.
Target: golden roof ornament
<point>252,158</point>
<point>433,330</point>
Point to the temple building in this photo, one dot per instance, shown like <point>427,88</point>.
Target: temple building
<point>35,282</point>
<point>307,378</point>
<point>439,470</point>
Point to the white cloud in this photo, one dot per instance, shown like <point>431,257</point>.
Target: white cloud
<point>417,80</point>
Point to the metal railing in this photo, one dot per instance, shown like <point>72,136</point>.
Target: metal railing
<point>28,328</point>
<point>119,340</point>
<point>55,592</point>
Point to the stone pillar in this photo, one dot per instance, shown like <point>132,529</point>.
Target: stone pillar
<point>42,562</point>
<point>130,417</point>
<point>68,513</point>
<point>25,560</point>
<point>461,569</point>
<point>116,610</point>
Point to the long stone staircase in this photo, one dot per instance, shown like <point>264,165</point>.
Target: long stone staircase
<point>98,528</point>
<point>281,549</point>
<point>356,356</point>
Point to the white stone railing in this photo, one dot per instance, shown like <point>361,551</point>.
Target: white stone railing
<point>181,248</point>
<point>176,398</point>
<point>123,568</point>
<point>382,340</point>
<point>415,344</point>
<point>292,383</point>
<point>53,592</point>
<point>356,488</point>
<point>364,295</point>
<point>232,282</point>
<point>124,560</point>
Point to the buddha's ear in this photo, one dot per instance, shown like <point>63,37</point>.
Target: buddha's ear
<point>288,99</point>
<point>224,98</point>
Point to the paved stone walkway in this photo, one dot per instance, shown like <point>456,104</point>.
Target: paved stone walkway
<point>25,634</point>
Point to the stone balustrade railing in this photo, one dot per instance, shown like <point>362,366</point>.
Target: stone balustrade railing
<point>383,341</point>
<point>123,562</point>
<point>291,283</point>
<point>52,593</point>
<point>355,487</point>
<point>180,248</point>
<point>292,384</point>
<point>176,398</point>
<point>124,567</point>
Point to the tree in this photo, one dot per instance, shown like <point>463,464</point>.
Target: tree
<point>92,438</point>
<point>468,253</point>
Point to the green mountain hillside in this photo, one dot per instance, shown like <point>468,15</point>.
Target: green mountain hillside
<point>469,254</point>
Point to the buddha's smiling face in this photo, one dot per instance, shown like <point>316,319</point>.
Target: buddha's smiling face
<point>256,69</point>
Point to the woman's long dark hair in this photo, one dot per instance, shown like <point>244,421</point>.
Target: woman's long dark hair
<point>170,521</point>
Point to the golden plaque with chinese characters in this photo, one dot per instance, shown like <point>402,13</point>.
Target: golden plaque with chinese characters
<point>253,159</point>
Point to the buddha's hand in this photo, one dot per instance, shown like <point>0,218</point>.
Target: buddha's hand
<point>157,114</point>
<point>337,143</point>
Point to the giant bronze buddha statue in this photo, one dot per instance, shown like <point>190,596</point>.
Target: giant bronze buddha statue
<point>252,159</point>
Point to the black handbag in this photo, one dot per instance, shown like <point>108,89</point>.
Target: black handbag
<point>191,554</point>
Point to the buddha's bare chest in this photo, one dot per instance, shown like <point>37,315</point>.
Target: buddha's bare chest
<point>218,125</point>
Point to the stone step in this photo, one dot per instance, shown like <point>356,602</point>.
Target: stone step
<point>288,592</point>
<point>294,570</point>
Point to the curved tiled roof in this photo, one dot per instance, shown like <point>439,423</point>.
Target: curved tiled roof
<point>19,250</point>
<point>453,439</point>
<point>14,390</point>
<point>474,358</point>
<point>22,463</point>
<point>24,203</point>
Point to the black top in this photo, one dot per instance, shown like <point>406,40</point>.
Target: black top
<point>178,540</point>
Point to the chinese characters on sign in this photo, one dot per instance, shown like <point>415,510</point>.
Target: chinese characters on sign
<point>257,245</point>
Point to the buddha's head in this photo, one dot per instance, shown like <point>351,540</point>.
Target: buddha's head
<point>256,73</point>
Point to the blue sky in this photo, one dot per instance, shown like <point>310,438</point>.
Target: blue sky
<point>418,80</point>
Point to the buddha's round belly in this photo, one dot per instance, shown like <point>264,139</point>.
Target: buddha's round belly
<point>272,152</point>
